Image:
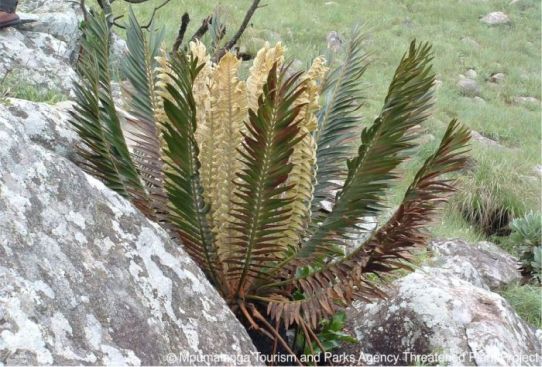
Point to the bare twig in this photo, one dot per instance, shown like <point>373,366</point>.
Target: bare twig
<point>250,12</point>
<point>185,19</point>
<point>154,13</point>
<point>202,29</point>
<point>84,10</point>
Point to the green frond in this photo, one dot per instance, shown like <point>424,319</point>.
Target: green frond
<point>339,123</point>
<point>260,210</point>
<point>188,210</point>
<point>104,151</point>
<point>145,109</point>
<point>338,283</point>
<point>382,149</point>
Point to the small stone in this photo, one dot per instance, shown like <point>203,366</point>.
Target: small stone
<point>470,42</point>
<point>497,78</point>
<point>334,42</point>
<point>471,74</point>
<point>479,100</point>
<point>468,87</point>
<point>328,3</point>
<point>437,84</point>
<point>526,100</point>
<point>495,18</point>
<point>476,136</point>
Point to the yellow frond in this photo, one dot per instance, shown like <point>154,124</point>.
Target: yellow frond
<point>259,71</point>
<point>303,158</point>
<point>206,121</point>
<point>230,108</point>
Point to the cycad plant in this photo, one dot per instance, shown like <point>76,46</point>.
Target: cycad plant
<point>260,180</point>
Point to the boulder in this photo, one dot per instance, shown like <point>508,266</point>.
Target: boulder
<point>476,136</point>
<point>435,318</point>
<point>468,87</point>
<point>36,59</point>
<point>497,78</point>
<point>495,18</point>
<point>496,267</point>
<point>471,74</point>
<point>44,124</point>
<point>85,278</point>
<point>60,18</point>
<point>527,100</point>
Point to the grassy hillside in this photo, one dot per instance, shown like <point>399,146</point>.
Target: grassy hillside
<point>502,179</point>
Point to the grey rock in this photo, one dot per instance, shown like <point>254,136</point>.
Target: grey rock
<point>44,124</point>
<point>476,136</point>
<point>334,41</point>
<point>495,18</point>
<point>442,317</point>
<point>497,78</point>
<point>86,279</point>
<point>496,267</point>
<point>527,100</point>
<point>468,87</point>
<point>61,19</point>
<point>119,50</point>
<point>36,59</point>
<point>470,42</point>
<point>471,74</point>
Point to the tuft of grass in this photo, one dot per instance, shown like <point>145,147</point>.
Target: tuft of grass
<point>526,300</point>
<point>492,192</point>
<point>13,86</point>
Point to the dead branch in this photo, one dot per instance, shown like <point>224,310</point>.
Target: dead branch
<point>202,29</point>
<point>185,19</point>
<point>84,10</point>
<point>154,13</point>
<point>228,46</point>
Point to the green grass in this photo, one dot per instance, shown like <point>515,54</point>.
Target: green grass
<point>499,178</point>
<point>525,299</point>
<point>15,87</point>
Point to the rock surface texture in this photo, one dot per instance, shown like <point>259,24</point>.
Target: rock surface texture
<point>44,124</point>
<point>40,53</point>
<point>434,318</point>
<point>86,279</point>
<point>495,18</point>
<point>496,267</point>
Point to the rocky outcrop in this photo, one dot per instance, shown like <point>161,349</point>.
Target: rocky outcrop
<point>495,266</point>
<point>86,279</point>
<point>40,53</point>
<point>44,124</point>
<point>434,318</point>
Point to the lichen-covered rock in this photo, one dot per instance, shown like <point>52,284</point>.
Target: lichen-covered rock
<point>495,18</point>
<point>433,318</point>
<point>496,267</point>
<point>468,87</point>
<point>44,124</point>
<point>86,279</point>
<point>60,18</point>
<point>37,59</point>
